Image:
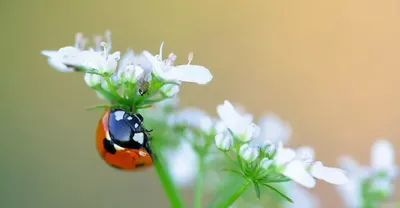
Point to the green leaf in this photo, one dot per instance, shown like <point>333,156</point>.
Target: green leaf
<point>235,171</point>
<point>278,192</point>
<point>275,180</point>
<point>257,189</point>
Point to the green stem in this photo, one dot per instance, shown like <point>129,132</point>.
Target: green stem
<point>229,200</point>
<point>198,195</point>
<point>111,86</point>
<point>167,182</point>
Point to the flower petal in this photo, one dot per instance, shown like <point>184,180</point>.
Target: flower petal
<point>230,117</point>
<point>284,155</point>
<point>305,153</point>
<point>328,174</point>
<point>297,172</point>
<point>156,64</point>
<point>189,73</point>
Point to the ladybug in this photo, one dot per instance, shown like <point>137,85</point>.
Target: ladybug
<point>122,141</point>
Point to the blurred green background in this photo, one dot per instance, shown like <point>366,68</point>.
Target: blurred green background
<point>331,68</point>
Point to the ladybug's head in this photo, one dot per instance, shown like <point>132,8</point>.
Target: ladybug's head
<point>126,129</point>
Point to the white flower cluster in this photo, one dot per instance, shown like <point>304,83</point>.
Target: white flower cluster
<point>371,184</point>
<point>263,150</point>
<point>138,70</point>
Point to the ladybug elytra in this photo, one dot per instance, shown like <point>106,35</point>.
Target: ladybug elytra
<point>122,141</point>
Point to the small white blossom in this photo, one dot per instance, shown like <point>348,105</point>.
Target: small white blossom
<point>93,80</point>
<point>249,153</point>
<point>266,163</point>
<point>186,73</point>
<point>223,141</point>
<point>241,126</point>
<point>101,62</point>
<point>182,163</point>
<point>170,90</point>
<point>62,59</point>
<point>66,59</point>
<point>130,74</point>
<point>296,171</point>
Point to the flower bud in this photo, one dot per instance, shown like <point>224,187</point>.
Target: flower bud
<point>250,131</point>
<point>269,149</point>
<point>92,80</point>
<point>170,90</point>
<point>223,142</point>
<point>130,74</point>
<point>248,153</point>
<point>111,64</point>
<point>265,163</point>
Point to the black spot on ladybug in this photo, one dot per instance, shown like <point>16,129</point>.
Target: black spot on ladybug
<point>108,146</point>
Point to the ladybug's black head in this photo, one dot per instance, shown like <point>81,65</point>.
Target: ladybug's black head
<point>126,129</point>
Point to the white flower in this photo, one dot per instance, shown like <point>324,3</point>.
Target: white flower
<point>331,175</point>
<point>93,80</point>
<point>68,58</point>
<point>131,59</point>
<point>241,126</point>
<point>249,153</point>
<point>101,62</point>
<point>296,171</point>
<point>223,141</point>
<point>130,74</point>
<point>64,56</point>
<point>186,73</point>
<point>182,163</point>
<point>273,129</point>
<point>170,90</point>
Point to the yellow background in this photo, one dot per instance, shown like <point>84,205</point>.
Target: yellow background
<point>331,68</point>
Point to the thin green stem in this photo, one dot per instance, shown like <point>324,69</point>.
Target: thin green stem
<point>198,194</point>
<point>167,182</point>
<point>230,199</point>
<point>111,86</point>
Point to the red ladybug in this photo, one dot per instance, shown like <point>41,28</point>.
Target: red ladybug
<point>122,141</point>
